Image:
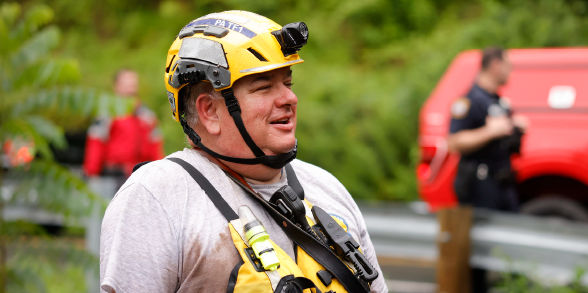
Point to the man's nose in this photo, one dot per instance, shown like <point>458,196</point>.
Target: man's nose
<point>287,97</point>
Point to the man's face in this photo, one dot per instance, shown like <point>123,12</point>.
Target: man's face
<point>127,84</point>
<point>502,69</point>
<point>268,109</point>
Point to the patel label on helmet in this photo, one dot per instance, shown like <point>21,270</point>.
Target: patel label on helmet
<point>226,24</point>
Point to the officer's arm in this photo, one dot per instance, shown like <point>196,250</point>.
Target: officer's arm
<point>469,140</point>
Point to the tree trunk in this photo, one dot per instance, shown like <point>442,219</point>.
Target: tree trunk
<point>3,269</point>
<point>3,258</point>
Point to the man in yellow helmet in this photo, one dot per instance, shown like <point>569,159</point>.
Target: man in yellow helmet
<point>174,227</point>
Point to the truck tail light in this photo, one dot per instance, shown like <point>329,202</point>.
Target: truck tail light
<point>427,154</point>
<point>433,152</point>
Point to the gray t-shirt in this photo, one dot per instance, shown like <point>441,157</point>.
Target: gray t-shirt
<point>161,232</point>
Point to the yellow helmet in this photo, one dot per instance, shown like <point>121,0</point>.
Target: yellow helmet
<point>222,47</point>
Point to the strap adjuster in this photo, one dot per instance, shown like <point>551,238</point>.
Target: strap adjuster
<point>231,101</point>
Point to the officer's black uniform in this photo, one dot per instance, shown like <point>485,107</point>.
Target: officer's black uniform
<point>484,178</point>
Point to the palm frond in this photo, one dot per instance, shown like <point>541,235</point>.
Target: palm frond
<point>29,24</point>
<point>74,100</point>
<point>24,279</point>
<point>34,49</point>
<point>38,102</point>
<point>54,188</point>
<point>53,250</point>
<point>47,73</point>
<point>47,129</point>
<point>39,259</point>
<point>22,129</point>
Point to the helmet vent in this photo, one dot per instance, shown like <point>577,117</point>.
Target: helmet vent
<point>257,54</point>
<point>170,63</point>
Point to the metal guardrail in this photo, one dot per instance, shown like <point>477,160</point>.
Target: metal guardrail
<point>104,186</point>
<point>547,250</point>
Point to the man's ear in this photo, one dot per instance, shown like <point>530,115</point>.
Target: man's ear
<point>207,113</point>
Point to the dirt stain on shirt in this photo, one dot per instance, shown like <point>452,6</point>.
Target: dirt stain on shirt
<point>209,270</point>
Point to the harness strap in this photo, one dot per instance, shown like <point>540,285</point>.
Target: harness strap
<point>293,181</point>
<point>212,193</point>
<point>319,252</point>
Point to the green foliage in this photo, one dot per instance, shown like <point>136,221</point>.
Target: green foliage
<point>515,283</point>
<point>63,193</point>
<point>369,66</point>
<point>37,265</point>
<point>39,101</point>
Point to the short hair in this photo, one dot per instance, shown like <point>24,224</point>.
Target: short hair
<point>188,96</point>
<point>491,53</point>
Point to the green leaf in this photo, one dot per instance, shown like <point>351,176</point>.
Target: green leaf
<point>9,12</point>
<point>46,74</point>
<point>48,130</point>
<point>36,48</point>
<point>37,16</point>
<point>52,187</point>
<point>18,128</point>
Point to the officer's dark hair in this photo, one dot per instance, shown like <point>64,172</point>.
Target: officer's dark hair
<point>489,54</point>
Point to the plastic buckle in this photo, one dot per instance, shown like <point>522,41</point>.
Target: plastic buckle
<point>344,245</point>
<point>231,101</point>
<point>291,206</point>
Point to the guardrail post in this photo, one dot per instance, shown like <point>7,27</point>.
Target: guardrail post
<point>105,187</point>
<point>453,242</point>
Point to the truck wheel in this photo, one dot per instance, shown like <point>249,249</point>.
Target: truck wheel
<point>557,207</point>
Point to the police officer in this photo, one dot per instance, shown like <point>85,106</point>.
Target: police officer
<point>485,133</point>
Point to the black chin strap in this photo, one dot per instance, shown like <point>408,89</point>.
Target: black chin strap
<point>275,161</point>
<point>235,111</point>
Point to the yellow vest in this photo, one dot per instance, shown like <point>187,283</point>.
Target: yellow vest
<point>246,278</point>
<point>291,276</point>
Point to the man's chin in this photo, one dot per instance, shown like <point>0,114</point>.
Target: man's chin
<point>282,149</point>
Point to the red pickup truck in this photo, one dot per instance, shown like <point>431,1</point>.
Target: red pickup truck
<point>550,88</point>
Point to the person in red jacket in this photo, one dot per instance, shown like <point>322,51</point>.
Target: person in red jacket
<point>115,145</point>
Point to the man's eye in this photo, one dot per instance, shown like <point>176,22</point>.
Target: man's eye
<point>263,87</point>
<point>289,84</point>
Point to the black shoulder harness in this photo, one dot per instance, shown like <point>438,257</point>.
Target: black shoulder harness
<point>317,250</point>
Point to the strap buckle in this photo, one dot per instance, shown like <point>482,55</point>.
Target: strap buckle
<point>231,101</point>
<point>344,245</point>
<point>289,204</point>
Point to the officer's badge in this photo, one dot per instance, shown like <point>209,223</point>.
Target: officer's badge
<point>460,108</point>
